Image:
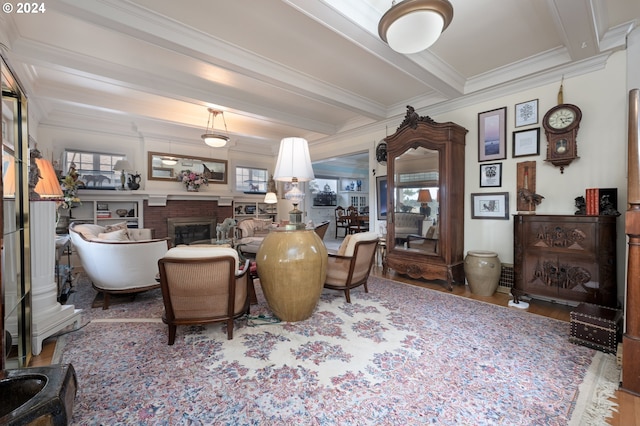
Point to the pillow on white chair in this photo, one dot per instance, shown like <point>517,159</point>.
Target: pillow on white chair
<point>201,250</point>
<point>350,241</point>
<point>119,235</point>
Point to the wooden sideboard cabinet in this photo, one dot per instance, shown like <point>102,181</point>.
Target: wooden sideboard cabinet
<point>566,257</point>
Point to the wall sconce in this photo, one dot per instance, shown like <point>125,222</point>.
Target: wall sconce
<point>294,165</point>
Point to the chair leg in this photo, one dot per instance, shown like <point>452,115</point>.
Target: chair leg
<point>172,334</point>
<point>347,295</point>
<point>230,329</point>
<point>105,300</point>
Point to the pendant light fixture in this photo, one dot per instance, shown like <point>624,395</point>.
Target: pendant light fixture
<point>169,160</point>
<point>414,25</point>
<point>211,138</point>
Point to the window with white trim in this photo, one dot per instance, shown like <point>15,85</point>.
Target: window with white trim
<point>95,169</point>
<point>251,180</point>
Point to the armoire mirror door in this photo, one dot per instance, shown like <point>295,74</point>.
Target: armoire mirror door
<point>425,193</point>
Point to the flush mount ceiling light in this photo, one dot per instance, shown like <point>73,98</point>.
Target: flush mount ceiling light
<point>211,138</point>
<point>169,161</point>
<point>413,25</point>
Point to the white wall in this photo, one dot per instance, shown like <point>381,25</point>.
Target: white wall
<point>602,96</point>
<point>601,148</point>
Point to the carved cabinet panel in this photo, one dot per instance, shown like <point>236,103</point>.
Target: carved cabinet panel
<point>566,257</point>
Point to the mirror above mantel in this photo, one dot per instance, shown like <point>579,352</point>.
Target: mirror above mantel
<point>166,167</point>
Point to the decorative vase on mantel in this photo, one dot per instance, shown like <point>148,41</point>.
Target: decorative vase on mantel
<point>192,188</point>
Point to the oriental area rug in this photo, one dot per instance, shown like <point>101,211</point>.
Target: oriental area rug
<point>399,355</point>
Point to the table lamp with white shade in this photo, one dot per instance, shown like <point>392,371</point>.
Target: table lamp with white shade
<point>294,165</point>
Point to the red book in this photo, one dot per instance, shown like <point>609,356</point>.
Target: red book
<point>590,201</point>
<point>593,201</point>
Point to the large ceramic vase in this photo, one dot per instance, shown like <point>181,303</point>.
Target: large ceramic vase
<point>292,266</point>
<point>482,270</point>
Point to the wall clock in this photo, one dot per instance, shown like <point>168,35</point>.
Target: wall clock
<point>381,153</point>
<point>561,124</point>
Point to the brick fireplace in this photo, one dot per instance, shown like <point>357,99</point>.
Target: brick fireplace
<point>156,217</point>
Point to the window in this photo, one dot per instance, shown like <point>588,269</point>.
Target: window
<point>95,169</point>
<point>251,181</point>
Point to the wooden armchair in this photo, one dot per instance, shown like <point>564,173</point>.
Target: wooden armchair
<point>342,221</point>
<point>321,229</point>
<point>350,266</point>
<point>202,284</point>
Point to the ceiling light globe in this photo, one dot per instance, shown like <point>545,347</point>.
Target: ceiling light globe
<point>169,161</point>
<point>411,26</point>
<point>415,32</point>
<point>214,141</point>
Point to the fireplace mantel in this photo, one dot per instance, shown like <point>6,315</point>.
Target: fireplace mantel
<point>159,199</point>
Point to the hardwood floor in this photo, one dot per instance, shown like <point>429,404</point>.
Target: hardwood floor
<point>628,405</point>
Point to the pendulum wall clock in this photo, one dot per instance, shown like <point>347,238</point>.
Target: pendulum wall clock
<point>561,124</point>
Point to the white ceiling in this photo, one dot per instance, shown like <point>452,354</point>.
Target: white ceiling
<point>277,68</point>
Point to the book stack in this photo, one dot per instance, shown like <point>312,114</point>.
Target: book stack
<point>103,214</point>
<point>594,198</point>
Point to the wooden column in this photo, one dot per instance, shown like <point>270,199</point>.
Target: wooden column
<point>631,339</point>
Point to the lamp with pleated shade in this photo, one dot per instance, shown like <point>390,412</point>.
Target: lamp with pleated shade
<point>294,165</point>
<point>48,186</point>
<point>424,197</point>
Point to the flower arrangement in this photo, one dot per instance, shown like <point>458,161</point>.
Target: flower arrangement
<point>192,179</point>
<point>70,189</point>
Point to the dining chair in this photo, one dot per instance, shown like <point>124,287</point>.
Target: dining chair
<point>342,221</point>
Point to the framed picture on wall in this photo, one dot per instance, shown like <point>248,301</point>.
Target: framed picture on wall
<point>526,142</point>
<point>492,135</point>
<point>526,113</point>
<point>490,175</point>
<point>381,197</point>
<point>490,205</point>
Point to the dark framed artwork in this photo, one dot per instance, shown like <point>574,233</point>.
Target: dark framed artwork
<point>492,135</point>
<point>490,175</point>
<point>490,205</point>
<point>526,142</point>
<point>526,113</point>
<point>381,197</point>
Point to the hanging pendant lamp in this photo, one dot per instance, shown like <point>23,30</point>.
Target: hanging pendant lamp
<point>414,25</point>
<point>211,138</point>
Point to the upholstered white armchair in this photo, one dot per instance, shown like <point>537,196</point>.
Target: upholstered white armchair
<point>118,260</point>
